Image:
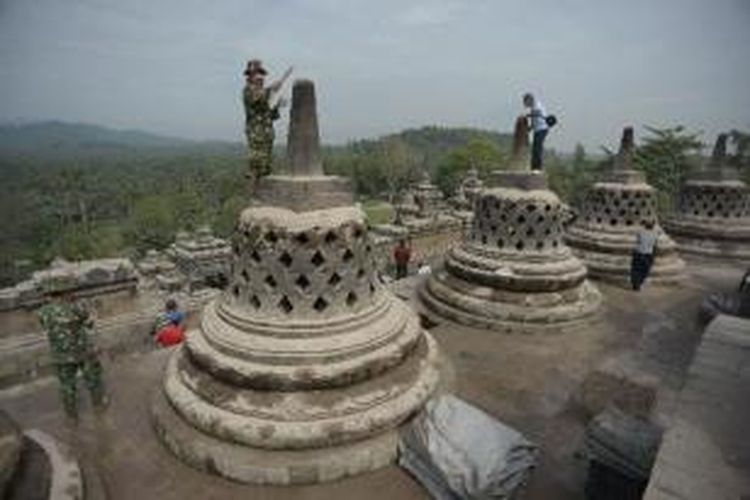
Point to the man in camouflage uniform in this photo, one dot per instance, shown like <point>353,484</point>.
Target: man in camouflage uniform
<point>68,326</point>
<point>259,117</point>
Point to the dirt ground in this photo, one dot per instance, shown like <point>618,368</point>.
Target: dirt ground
<point>530,382</point>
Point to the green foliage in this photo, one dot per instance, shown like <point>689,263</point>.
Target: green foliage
<point>667,156</point>
<point>481,152</point>
<point>378,212</point>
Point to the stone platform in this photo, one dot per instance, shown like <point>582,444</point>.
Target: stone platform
<point>527,382</point>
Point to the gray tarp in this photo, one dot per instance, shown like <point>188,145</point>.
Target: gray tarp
<point>457,451</point>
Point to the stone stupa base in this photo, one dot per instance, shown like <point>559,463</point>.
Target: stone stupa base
<point>488,307</point>
<point>711,240</point>
<point>254,465</point>
<point>608,256</point>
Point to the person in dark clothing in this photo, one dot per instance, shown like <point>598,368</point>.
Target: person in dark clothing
<point>402,256</point>
<point>539,128</point>
<point>643,255</point>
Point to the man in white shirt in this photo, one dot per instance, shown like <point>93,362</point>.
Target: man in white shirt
<point>538,118</point>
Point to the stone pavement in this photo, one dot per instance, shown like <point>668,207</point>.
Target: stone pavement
<point>706,453</point>
<point>527,381</point>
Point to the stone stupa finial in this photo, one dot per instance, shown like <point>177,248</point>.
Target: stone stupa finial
<point>719,155</point>
<point>303,147</point>
<point>624,158</point>
<point>519,159</point>
<point>623,166</point>
<point>718,168</point>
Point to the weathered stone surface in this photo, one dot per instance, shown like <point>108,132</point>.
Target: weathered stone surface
<point>83,278</point>
<point>304,368</point>
<point>201,258</point>
<point>604,233</point>
<point>304,138</point>
<point>705,452</point>
<point>513,271</point>
<point>619,383</point>
<point>713,212</point>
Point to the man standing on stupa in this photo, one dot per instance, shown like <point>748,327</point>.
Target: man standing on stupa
<point>260,113</point>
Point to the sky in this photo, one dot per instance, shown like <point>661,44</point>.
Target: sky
<point>174,67</point>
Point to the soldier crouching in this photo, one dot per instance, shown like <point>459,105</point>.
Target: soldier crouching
<point>68,326</point>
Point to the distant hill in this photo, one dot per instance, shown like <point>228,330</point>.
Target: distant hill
<point>434,142</point>
<point>62,140</point>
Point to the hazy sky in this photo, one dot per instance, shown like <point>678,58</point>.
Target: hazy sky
<point>175,66</point>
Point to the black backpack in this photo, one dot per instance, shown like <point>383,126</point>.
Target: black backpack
<point>551,120</point>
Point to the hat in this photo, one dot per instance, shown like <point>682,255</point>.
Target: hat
<point>254,66</point>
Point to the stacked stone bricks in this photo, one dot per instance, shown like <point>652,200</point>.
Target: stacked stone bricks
<point>713,212</point>
<point>614,210</point>
<point>306,366</point>
<point>513,271</point>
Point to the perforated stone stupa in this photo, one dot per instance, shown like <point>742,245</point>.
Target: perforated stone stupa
<point>713,211</point>
<point>305,367</point>
<point>614,210</point>
<point>513,271</point>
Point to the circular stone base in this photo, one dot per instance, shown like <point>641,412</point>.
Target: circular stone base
<point>262,466</point>
<point>717,239</point>
<point>491,309</point>
<point>608,257</point>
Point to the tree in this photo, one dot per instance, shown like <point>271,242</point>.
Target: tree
<point>479,152</point>
<point>667,156</point>
<point>400,165</point>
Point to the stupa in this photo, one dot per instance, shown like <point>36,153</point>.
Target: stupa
<point>513,271</point>
<point>713,211</point>
<point>613,211</point>
<point>303,370</point>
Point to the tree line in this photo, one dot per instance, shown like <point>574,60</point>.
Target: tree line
<point>80,204</point>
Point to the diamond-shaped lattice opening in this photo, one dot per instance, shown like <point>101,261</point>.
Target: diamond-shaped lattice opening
<point>372,288</point>
<point>255,301</point>
<point>357,233</point>
<point>521,219</point>
<point>519,245</point>
<point>302,238</point>
<point>368,249</point>
<point>360,272</point>
<point>539,245</point>
<point>348,255</point>
<point>500,243</point>
<point>286,259</point>
<point>529,232</point>
<point>530,207</point>
<point>318,259</point>
<point>285,304</point>
<point>335,279</point>
<point>331,237</point>
<point>270,281</point>
<point>351,299</point>
<point>245,275</point>
<point>320,304</point>
<point>303,282</point>
<point>271,237</point>
<point>236,291</point>
<point>255,256</point>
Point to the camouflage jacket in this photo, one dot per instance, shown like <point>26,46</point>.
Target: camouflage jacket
<point>259,115</point>
<point>68,328</point>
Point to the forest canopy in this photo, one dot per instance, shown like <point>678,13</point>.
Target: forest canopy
<point>82,191</point>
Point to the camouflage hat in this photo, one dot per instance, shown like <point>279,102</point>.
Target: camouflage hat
<point>254,67</point>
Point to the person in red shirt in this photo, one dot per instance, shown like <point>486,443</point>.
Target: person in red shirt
<point>402,256</point>
<point>170,328</point>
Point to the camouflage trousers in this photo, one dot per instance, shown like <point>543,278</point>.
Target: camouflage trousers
<point>67,373</point>
<point>260,154</point>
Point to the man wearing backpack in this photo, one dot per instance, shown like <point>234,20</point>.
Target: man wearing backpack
<point>539,125</point>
